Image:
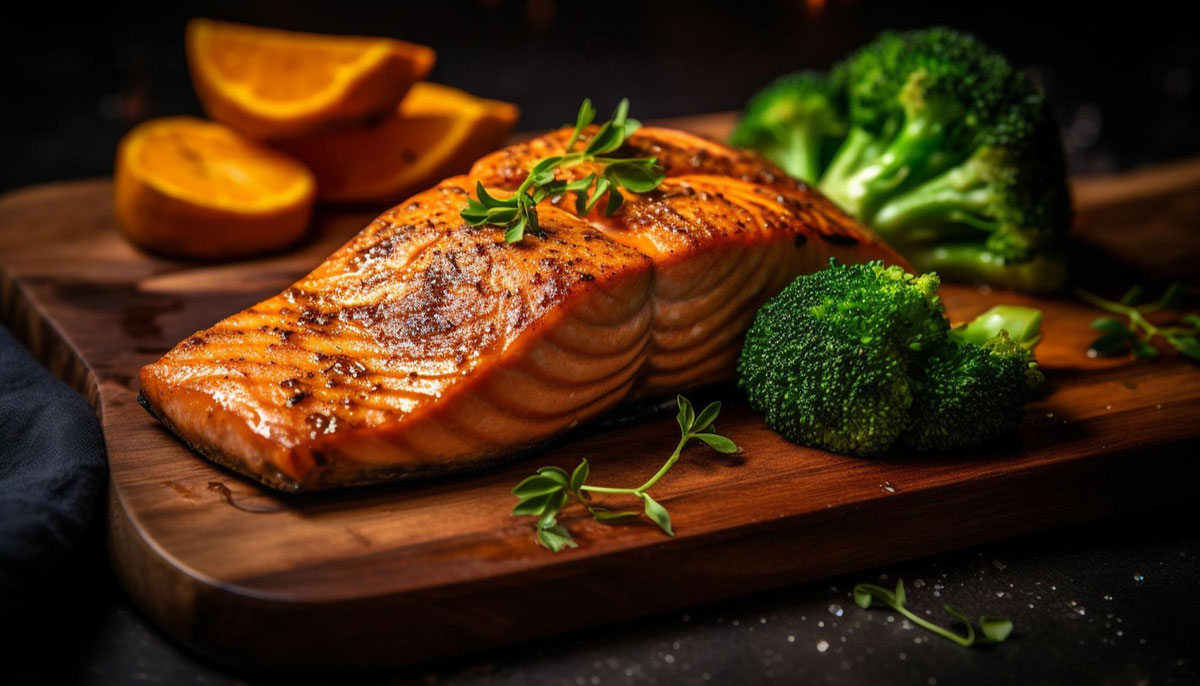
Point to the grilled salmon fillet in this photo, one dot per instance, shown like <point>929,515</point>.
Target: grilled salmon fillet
<point>425,346</point>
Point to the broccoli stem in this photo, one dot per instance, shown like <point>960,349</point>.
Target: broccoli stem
<point>1023,325</point>
<point>961,195</point>
<point>839,182</point>
<point>861,183</point>
<point>799,152</point>
<point>1042,273</point>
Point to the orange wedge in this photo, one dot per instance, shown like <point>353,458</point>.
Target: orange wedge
<point>437,131</point>
<point>268,83</point>
<point>191,188</point>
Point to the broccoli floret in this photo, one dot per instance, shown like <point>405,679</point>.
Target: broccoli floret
<point>964,394</point>
<point>797,122</point>
<point>827,359</point>
<point>952,156</point>
<point>855,358</point>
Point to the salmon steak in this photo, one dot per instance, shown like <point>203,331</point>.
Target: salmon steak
<point>426,346</point>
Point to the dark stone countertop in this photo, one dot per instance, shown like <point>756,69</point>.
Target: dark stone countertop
<point>1108,602</point>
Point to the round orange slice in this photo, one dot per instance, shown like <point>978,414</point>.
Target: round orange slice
<point>268,83</point>
<point>436,131</point>
<point>191,188</point>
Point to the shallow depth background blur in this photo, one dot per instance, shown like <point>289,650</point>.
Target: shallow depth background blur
<point>1123,78</point>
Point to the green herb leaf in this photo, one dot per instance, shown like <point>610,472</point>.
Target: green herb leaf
<point>556,473</point>
<point>543,172</point>
<point>556,538</point>
<point>586,114</point>
<point>1188,345</point>
<point>1137,332</point>
<point>534,506</point>
<point>579,476</point>
<point>602,185</point>
<point>581,195</point>
<point>553,507</point>
<point>535,485</point>
<point>615,199</point>
<point>995,629</point>
<point>607,139</point>
<point>517,215</point>
<point>718,443</point>
<point>488,201</point>
<point>516,232</point>
<point>638,178</point>
<point>621,113</point>
<point>865,593</point>
<point>658,514</point>
<point>504,215</point>
<point>612,134</point>
<point>687,414</point>
<point>1110,344</point>
<point>707,416</point>
<point>1110,325</point>
<point>476,213</point>
<point>1142,350</point>
<point>612,516</point>
<point>1173,298</point>
<point>580,185</point>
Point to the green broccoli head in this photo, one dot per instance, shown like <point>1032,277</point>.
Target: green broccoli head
<point>964,394</point>
<point>999,216</point>
<point>952,156</point>
<point>797,122</point>
<point>915,86</point>
<point>827,359</point>
<point>855,358</point>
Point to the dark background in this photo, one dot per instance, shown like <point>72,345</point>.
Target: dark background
<point>1122,79</point>
<point>1122,76</point>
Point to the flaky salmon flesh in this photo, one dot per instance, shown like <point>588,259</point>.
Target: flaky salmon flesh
<point>426,346</point>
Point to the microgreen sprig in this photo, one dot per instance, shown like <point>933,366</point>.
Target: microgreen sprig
<point>544,494</point>
<point>991,629</point>
<point>517,214</point>
<point>1136,333</point>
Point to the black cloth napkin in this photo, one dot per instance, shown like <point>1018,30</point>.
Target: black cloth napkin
<point>52,467</point>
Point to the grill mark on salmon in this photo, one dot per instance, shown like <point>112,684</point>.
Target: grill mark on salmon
<point>425,346</point>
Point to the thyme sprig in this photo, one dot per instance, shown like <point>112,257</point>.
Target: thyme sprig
<point>991,629</point>
<point>544,494</point>
<point>517,214</point>
<point>1136,333</point>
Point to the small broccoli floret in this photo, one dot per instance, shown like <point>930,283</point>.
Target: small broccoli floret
<point>965,394</point>
<point>952,156</point>
<point>797,122</point>
<point>855,358</point>
<point>827,359</point>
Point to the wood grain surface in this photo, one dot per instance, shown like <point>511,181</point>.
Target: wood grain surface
<point>407,572</point>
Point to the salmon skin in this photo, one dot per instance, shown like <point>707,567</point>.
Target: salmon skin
<point>426,346</point>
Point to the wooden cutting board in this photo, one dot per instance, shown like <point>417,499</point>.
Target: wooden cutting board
<point>403,573</point>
